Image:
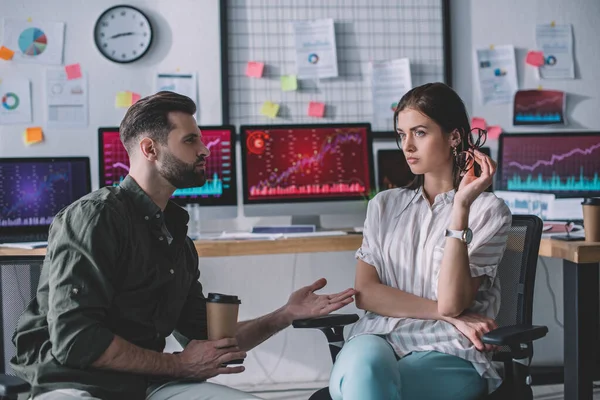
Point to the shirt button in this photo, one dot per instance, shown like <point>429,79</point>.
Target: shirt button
<point>171,271</point>
<point>146,218</point>
<point>160,238</point>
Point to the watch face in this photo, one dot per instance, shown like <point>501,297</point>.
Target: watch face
<point>468,235</point>
<point>123,34</point>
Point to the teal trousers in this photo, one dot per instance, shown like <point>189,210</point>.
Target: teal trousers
<point>367,369</point>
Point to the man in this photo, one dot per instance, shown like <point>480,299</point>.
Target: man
<point>120,275</point>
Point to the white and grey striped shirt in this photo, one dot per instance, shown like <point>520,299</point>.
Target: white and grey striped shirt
<point>403,238</point>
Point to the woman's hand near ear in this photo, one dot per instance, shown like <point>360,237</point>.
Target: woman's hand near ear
<point>471,186</point>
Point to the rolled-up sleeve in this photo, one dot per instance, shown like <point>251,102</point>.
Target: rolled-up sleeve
<point>84,246</point>
<point>369,250</point>
<point>490,233</point>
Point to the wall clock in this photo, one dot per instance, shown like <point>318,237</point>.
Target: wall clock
<point>123,34</point>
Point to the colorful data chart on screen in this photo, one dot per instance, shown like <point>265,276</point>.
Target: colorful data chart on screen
<point>219,168</point>
<point>32,193</point>
<point>563,165</point>
<point>308,163</point>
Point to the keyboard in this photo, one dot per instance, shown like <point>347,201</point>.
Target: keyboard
<point>23,238</point>
<point>314,234</point>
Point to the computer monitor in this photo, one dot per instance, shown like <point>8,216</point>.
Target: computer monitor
<point>565,164</point>
<point>217,198</point>
<point>393,170</point>
<point>306,170</point>
<point>34,190</point>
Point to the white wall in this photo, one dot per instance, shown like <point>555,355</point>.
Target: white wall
<point>481,23</point>
<point>186,36</point>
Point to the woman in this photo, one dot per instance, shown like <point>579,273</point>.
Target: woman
<point>426,272</point>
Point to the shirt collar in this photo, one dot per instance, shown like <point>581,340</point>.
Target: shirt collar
<point>148,209</point>
<point>446,197</point>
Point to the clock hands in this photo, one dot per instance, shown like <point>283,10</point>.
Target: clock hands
<point>122,34</point>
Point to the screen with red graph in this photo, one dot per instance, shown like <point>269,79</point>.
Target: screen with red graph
<point>306,163</point>
<point>565,164</point>
<point>220,186</point>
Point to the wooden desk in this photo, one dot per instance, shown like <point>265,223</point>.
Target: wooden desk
<point>581,293</point>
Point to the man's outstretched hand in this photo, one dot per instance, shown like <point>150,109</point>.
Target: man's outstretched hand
<point>305,303</point>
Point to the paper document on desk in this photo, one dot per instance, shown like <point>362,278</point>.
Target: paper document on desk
<point>249,236</point>
<point>25,245</point>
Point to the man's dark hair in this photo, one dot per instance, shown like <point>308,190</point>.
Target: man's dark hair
<point>150,116</point>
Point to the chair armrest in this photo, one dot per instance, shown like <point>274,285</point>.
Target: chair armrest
<point>514,334</point>
<point>326,321</point>
<point>11,385</point>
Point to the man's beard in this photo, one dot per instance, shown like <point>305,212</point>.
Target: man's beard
<point>180,174</point>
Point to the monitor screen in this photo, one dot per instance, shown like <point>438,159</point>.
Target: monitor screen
<point>220,186</point>
<point>565,164</point>
<point>306,163</point>
<point>392,169</point>
<point>34,190</point>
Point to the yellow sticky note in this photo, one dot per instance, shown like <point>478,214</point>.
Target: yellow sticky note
<point>33,135</point>
<point>269,109</point>
<point>6,53</point>
<point>123,99</point>
<point>289,82</point>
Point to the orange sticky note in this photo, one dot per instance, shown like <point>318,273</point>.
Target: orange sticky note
<point>535,58</point>
<point>33,135</point>
<point>477,122</point>
<point>6,53</point>
<point>493,131</point>
<point>123,99</point>
<point>73,71</point>
<point>255,69</point>
<point>135,97</point>
<point>316,109</point>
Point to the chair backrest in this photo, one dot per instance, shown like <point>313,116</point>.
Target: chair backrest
<point>19,278</point>
<point>517,270</point>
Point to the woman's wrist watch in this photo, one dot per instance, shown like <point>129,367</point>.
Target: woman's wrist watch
<point>465,236</point>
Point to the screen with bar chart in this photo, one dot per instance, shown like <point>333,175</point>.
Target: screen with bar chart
<point>303,163</point>
<point>220,186</point>
<point>565,164</point>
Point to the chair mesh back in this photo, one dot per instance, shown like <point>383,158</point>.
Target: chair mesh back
<point>510,272</point>
<point>18,284</point>
<point>517,272</point>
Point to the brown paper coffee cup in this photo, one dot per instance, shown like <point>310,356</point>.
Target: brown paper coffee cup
<point>222,313</point>
<point>591,219</point>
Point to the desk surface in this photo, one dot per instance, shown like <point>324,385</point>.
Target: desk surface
<point>578,252</point>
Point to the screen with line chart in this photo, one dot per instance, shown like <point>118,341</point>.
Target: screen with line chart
<point>34,190</point>
<point>566,164</point>
<point>296,163</point>
<point>220,186</point>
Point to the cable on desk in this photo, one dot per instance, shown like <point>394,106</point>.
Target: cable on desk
<point>552,294</point>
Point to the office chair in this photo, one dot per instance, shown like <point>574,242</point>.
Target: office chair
<point>515,333</point>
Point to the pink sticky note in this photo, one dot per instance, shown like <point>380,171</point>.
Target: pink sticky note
<point>73,71</point>
<point>134,97</point>
<point>477,122</point>
<point>255,69</point>
<point>535,58</point>
<point>493,131</point>
<point>316,109</point>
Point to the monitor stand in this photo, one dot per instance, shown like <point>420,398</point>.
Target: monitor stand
<point>307,220</point>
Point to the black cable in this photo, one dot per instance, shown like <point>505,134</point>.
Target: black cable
<point>552,294</point>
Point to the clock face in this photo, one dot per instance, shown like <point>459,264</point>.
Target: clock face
<point>123,34</point>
